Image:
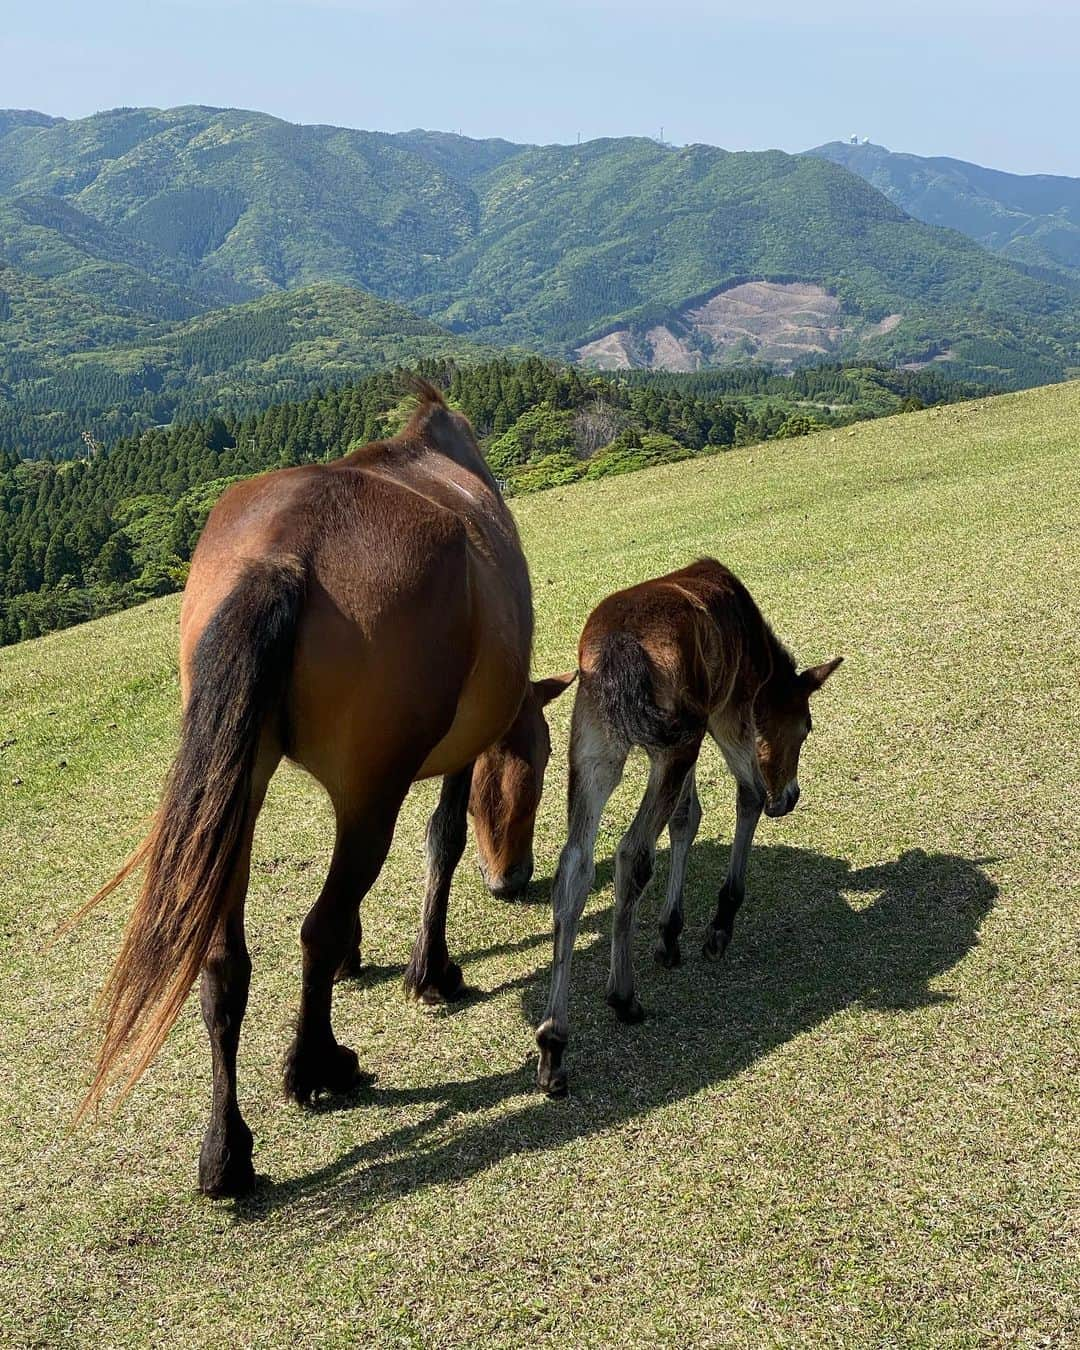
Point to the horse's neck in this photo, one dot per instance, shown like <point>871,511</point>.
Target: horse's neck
<point>769,667</point>
<point>457,485</point>
<point>440,434</point>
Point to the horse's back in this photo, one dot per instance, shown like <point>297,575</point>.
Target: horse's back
<point>363,541</point>
<point>399,666</point>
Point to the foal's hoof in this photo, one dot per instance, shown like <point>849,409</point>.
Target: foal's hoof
<point>225,1167</point>
<point>446,987</point>
<point>628,1010</point>
<point>668,953</point>
<point>667,950</point>
<point>550,1074</point>
<point>333,1069</point>
<point>715,944</point>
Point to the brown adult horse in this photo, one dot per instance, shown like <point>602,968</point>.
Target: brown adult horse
<point>372,620</point>
<point>662,664</point>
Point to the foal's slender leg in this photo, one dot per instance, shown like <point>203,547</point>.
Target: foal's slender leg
<point>748,803</point>
<point>682,828</point>
<point>596,766</point>
<point>634,861</point>
<point>431,976</point>
<point>315,1061</point>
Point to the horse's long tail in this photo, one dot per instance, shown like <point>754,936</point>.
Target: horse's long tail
<point>623,685</point>
<point>240,673</point>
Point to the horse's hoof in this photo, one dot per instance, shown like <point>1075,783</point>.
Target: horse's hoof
<point>225,1167</point>
<point>434,990</point>
<point>350,969</point>
<point>550,1074</point>
<point>334,1069</point>
<point>668,954</point>
<point>628,1010</point>
<point>229,1182</point>
<point>715,944</point>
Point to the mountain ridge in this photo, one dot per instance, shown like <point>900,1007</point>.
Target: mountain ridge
<point>1028,218</point>
<point>152,217</point>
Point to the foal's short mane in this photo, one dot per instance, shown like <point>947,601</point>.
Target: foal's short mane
<point>773,658</point>
<point>784,664</point>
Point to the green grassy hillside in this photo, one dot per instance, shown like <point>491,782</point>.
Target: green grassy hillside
<point>860,1129</point>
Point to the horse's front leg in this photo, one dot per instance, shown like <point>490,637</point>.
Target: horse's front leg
<point>749,801</point>
<point>353,966</point>
<point>431,976</point>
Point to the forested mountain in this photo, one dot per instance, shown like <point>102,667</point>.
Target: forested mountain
<point>1029,218</point>
<point>231,361</point>
<point>117,229</point>
<point>79,538</point>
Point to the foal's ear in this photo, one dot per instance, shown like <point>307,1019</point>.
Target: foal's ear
<point>552,687</point>
<point>815,676</point>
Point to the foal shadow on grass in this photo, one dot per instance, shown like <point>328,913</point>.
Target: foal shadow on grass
<point>814,937</point>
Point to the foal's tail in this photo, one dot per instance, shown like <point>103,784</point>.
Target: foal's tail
<point>622,682</point>
<point>241,669</point>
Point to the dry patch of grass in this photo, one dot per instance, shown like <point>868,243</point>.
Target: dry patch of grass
<point>860,1129</point>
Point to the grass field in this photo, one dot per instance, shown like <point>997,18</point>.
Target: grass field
<point>860,1129</point>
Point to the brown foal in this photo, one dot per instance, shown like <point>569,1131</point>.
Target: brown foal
<point>662,664</point>
<point>370,619</point>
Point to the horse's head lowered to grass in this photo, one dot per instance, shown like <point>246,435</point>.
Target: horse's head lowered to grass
<point>783,724</point>
<point>508,781</point>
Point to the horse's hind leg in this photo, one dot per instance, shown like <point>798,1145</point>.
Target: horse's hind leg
<point>225,1166</point>
<point>431,976</point>
<point>315,1061</point>
<point>596,765</point>
<point>682,829</point>
<point>634,860</point>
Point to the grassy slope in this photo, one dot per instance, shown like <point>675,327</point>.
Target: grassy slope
<point>855,1131</point>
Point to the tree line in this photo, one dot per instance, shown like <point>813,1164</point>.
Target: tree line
<point>80,538</point>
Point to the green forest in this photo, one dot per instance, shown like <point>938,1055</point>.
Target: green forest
<point>84,537</point>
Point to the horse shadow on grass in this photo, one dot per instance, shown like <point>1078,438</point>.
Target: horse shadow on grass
<point>815,937</point>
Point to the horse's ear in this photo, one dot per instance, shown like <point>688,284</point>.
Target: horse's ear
<point>815,676</point>
<point>552,687</point>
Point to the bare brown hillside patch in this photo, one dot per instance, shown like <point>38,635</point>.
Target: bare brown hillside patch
<point>774,321</point>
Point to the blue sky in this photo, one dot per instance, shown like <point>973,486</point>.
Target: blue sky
<point>978,79</point>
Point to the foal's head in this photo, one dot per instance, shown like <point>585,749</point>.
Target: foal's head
<point>507,784</point>
<point>783,724</point>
